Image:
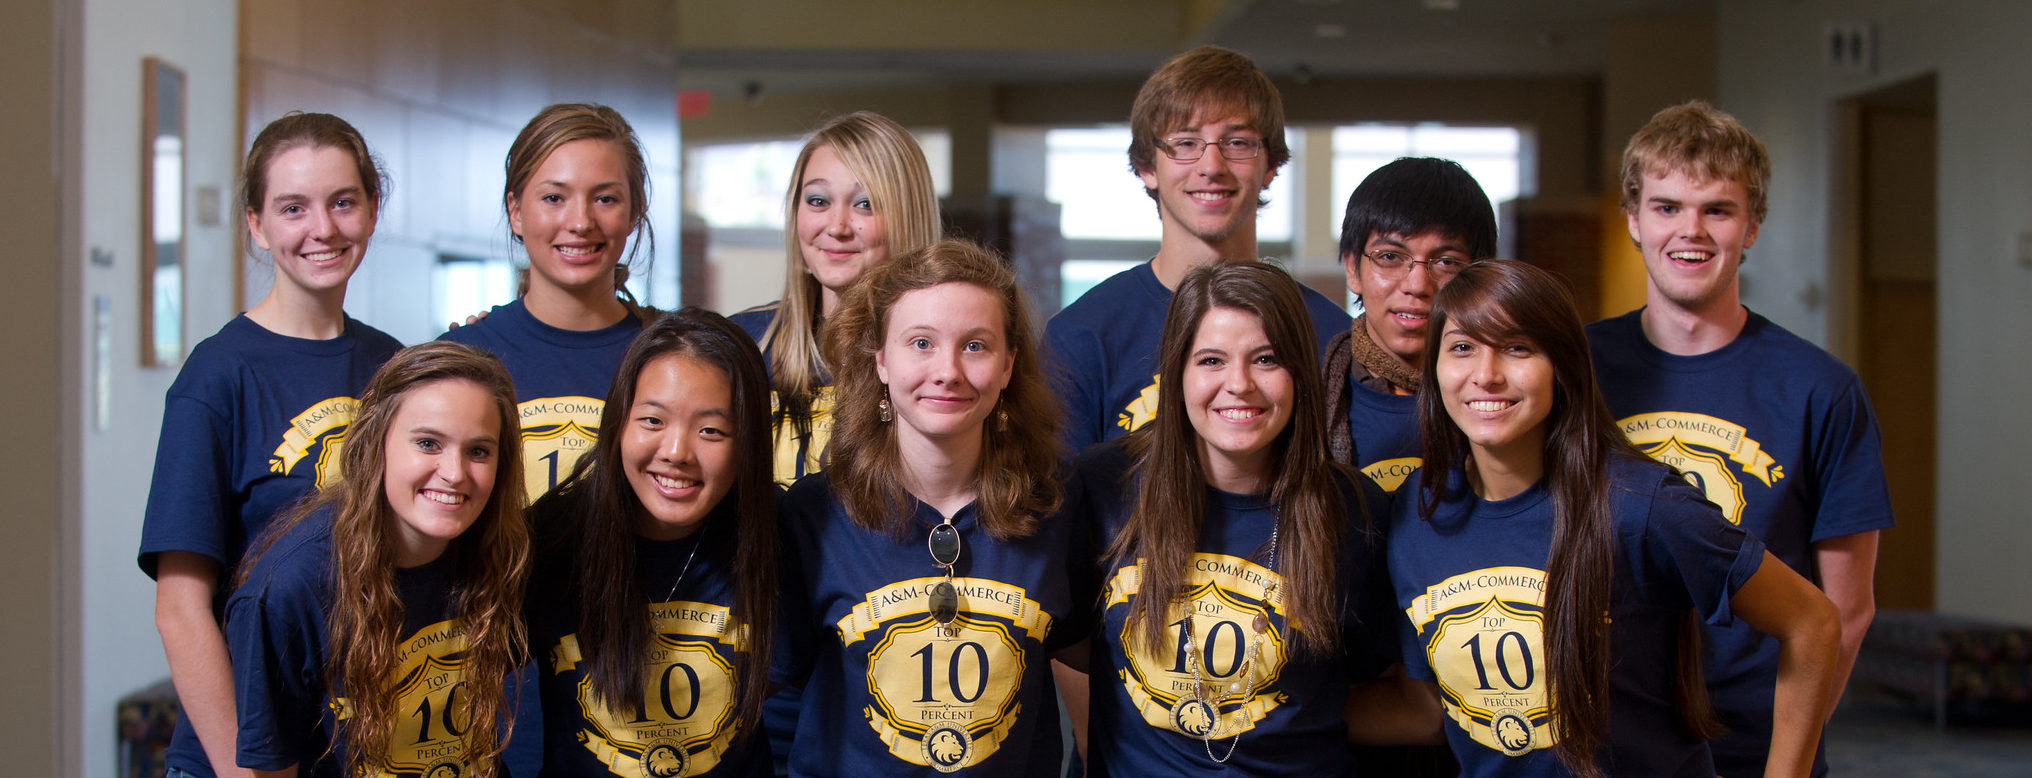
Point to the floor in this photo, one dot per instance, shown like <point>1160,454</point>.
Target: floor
<point>1878,735</point>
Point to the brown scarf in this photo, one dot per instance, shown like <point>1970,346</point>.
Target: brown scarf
<point>1345,353</point>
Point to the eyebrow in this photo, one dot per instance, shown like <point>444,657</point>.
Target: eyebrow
<point>433,432</point>
<point>1450,244</point>
<point>706,412</point>
<point>354,191</point>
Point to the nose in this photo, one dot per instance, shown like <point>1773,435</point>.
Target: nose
<point>1238,381</point>
<point>841,224</point>
<point>677,449</point>
<point>452,469</point>
<point>578,216</point>
<point>323,226</point>
<point>1418,280</point>
<point>1484,372</point>
<point>1211,163</point>
<point>945,366</point>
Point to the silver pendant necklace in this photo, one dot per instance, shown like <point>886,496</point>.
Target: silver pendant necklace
<point>1239,689</point>
<point>696,542</point>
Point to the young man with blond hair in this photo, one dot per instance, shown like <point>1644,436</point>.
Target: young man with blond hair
<point>1779,433</point>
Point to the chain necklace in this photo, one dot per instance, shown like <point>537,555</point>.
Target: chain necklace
<point>1238,689</point>
<point>700,541</point>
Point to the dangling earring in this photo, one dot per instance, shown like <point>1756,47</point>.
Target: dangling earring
<point>1001,420</point>
<point>882,409</point>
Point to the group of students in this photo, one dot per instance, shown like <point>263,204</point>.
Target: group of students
<point>1225,526</point>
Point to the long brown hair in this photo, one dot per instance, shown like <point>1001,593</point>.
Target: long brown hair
<point>563,123</point>
<point>1019,459</point>
<point>1501,302</point>
<point>890,164</point>
<point>489,564</point>
<point>1163,530</point>
<point>613,622</point>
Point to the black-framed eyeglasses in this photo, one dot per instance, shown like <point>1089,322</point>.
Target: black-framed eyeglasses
<point>1191,149</point>
<point>1391,263</point>
<point>944,544</point>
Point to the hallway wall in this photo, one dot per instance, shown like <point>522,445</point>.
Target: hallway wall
<point>1772,78</point>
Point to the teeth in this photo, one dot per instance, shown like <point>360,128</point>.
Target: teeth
<point>443,498</point>
<point>1237,414</point>
<point>323,256</point>
<point>1414,316</point>
<point>578,251</point>
<point>1689,256</point>
<point>1209,196</point>
<point>672,483</point>
<point>1488,405</point>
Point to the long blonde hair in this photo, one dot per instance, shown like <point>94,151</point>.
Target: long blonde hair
<point>489,565</point>
<point>889,163</point>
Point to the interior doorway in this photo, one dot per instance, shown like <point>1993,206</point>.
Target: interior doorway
<point>1889,264</point>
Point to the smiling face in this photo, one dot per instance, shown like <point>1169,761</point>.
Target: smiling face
<point>1692,234</point>
<point>839,234</point>
<point>1238,396</point>
<point>946,358</point>
<point>315,218</point>
<point>1395,309</point>
<point>1500,396</point>
<point>440,455</point>
<point>1213,199</point>
<point>573,215</point>
<point>678,444</point>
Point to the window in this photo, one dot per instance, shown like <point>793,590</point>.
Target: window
<point>1493,155</point>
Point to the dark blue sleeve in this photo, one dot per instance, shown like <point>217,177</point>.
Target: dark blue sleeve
<point>795,649</point>
<point>1074,363</point>
<point>1369,630</point>
<point>1848,462</point>
<point>276,646</point>
<point>1687,539</point>
<point>1328,319</point>
<point>190,497</point>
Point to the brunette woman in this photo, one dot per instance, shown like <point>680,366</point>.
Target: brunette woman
<point>578,192</point>
<point>860,193</point>
<point>1238,556</point>
<point>925,591</point>
<point>1552,574</point>
<point>376,623</point>
<point>654,597</point>
<point>253,421</point>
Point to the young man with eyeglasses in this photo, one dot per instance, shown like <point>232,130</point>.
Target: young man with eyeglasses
<point>1208,138</point>
<point>1409,227</point>
<point>1777,432</point>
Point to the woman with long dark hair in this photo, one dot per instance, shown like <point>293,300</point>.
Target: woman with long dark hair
<point>1551,573</point>
<point>925,590</point>
<point>375,624</point>
<point>653,602</point>
<point>255,418</point>
<point>1236,552</point>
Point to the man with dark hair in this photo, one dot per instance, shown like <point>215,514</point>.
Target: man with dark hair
<point>1409,227</point>
<point>1208,132</point>
<point>1778,433</point>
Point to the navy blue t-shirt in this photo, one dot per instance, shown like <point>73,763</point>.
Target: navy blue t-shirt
<point>1103,352</point>
<point>1144,717</point>
<point>888,690</point>
<point>1385,429</point>
<point>1781,436</point>
<point>687,723</point>
<point>277,635</point>
<point>561,382</point>
<point>1471,582</point>
<point>796,456</point>
<point>254,421</point>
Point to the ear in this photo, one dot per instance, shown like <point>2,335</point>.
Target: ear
<point>1008,370</point>
<point>1351,264</point>
<point>882,367</point>
<point>514,214</point>
<point>254,230</point>
<point>1268,176</point>
<point>1750,238</point>
<point>1631,216</point>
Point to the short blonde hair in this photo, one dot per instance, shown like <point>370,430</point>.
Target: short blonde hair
<point>1702,141</point>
